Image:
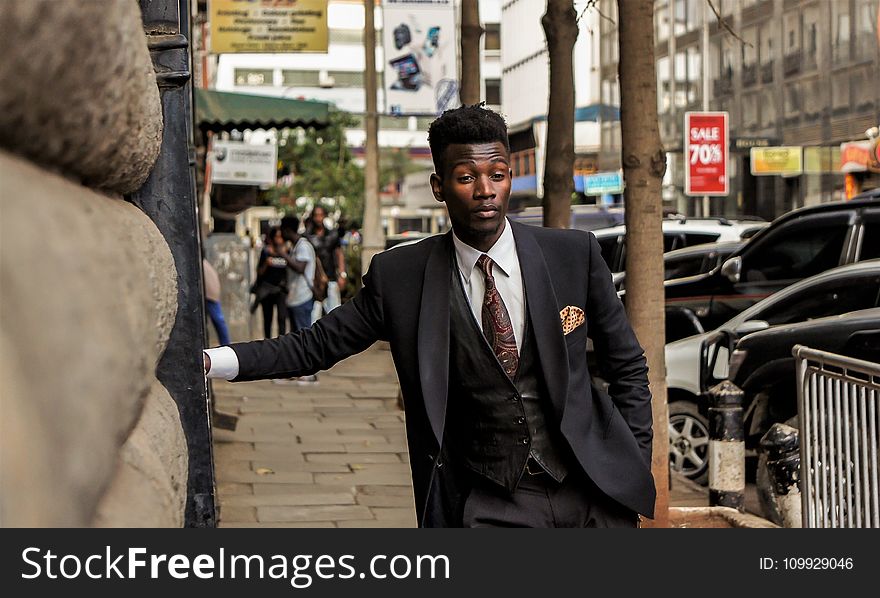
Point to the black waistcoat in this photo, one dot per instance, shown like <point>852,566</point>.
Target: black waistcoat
<point>495,423</point>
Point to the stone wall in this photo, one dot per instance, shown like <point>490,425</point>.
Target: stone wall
<point>88,436</point>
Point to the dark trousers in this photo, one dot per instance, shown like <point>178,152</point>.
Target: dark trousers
<point>276,302</point>
<point>300,316</point>
<point>539,501</point>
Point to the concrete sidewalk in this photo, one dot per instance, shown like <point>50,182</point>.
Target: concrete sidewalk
<point>331,454</point>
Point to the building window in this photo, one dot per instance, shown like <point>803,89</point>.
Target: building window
<point>253,77</point>
<point>766,52</point>
<point>610,92</point>
<point>664,99</point>
<point>792,100</point>
<point>722,58</point>
<point>347,78</point>
<point>866,20</point>
<point>864,89</point>
<point>685,16</point>
<point>750,110</point>
<point>814,98</point>
<point>661,22</point>
<point>840,93</point>
<point>767,106</point>
<point>492,36</point>
<point>695,75</point>
<point>393,123</point>
<point>811,37</point>
<point>493,92</point>
<point>840,36</point>
<point>300,78</point>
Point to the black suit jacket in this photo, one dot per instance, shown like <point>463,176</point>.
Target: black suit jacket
<point>405,301</point>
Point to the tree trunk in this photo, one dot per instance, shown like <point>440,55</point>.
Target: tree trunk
<point>471,32</point>
<point>373,235</point>
<point>561,30</point>
<point>644,163</point>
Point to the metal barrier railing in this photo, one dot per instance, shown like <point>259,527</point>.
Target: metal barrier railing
<point>839,413</point>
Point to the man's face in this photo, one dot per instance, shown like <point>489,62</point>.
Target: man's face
<point>475,185</point>
<point>318,216</point>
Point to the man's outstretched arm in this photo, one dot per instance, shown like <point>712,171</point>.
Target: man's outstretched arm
<point>347,330</point>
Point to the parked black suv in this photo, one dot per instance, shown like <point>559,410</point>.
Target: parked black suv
<point>796,245</point>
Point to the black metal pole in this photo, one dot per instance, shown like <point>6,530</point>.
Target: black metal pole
<point>169,199</point>
<point>727,479</point>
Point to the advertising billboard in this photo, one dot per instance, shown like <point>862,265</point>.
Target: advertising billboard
<point>705,148</point>
<point>421,74</point>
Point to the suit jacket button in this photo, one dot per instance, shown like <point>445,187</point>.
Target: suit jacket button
<point>514,397</point>
<point>520,420</point>
<point>524,440</point>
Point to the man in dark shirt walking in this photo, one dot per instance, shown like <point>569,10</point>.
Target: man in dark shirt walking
<point>329,250</point>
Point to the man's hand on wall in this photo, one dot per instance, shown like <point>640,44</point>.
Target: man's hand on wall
<point>207,363</point>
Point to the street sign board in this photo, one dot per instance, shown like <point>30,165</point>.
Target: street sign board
<point>705,149</point>
<point>783,160</point>
<point>239,163</point>
<point>603,182</point>
<point>268,26</point>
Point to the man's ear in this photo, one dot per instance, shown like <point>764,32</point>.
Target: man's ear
<point>437,187</point>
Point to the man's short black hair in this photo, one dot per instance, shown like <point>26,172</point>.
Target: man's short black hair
<point>289,224</point>
<point>467,124</point>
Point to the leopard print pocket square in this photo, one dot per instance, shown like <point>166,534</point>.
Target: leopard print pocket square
<point>571,317</point>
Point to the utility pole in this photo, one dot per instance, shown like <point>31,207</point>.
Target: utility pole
<point>372,233</point>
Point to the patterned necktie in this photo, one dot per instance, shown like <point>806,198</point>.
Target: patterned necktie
<point>496,322</point>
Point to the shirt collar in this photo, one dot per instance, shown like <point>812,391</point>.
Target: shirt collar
<point>503,253</point>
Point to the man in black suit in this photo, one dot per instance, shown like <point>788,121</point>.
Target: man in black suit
<point>488,327</point>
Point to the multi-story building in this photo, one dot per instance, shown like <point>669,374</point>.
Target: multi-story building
<point>338,77</point>
<point>804,73</point>
<point>525,94</point>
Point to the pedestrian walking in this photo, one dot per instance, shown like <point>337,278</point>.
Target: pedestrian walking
<point>328,248</point>
<point>300,297</point>
<point>488,327</point>
<point>212,301</point>
<point>270,288</point>
<point>301,261</point>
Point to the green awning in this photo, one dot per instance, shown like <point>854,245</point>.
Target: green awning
<point>223,111</point>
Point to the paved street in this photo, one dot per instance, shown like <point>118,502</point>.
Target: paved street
<point>331,454</point>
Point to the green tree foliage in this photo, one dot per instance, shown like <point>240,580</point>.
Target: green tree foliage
<point>322,166</point>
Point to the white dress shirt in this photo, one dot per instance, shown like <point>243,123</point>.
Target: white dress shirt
<point>508,281</point>
<point>507,274</point>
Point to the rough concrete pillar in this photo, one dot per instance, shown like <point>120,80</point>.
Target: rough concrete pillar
<point>78,92</point>
<point>89,298</point>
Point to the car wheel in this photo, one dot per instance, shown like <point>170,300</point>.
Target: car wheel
<point>688,441</point>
